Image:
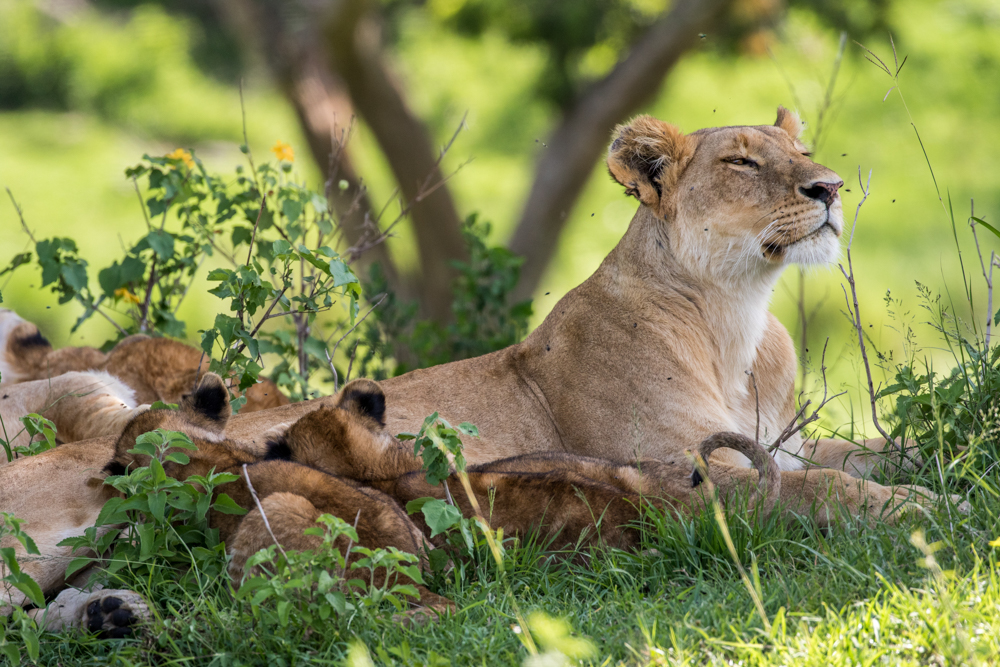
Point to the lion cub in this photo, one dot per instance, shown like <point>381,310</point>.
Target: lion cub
<point>565,499</point>
<point>292,495</point>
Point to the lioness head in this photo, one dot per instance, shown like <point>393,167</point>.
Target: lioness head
<point>736,200</point>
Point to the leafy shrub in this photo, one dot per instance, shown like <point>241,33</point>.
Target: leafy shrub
<point>18,629</point>
<point>34,425</point>
<point>159,522</point>
<point>484,319</point>
<point>309,588</point>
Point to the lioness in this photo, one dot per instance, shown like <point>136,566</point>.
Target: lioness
<point>645,359</point>
<point>652,353</point>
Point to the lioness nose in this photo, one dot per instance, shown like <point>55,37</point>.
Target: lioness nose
<point>821,191</point>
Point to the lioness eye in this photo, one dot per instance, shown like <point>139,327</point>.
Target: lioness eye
<point>740,161</point>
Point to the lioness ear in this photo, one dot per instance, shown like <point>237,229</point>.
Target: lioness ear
<point>210,401</point>
<point>789,122</point>
<point>647,156</point>
<point>365,398</point>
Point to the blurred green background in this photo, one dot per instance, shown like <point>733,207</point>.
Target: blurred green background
<point>85,91</point>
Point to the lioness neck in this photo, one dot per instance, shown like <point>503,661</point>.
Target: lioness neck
<point>731,298</point>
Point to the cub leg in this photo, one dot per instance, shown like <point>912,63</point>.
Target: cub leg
<point>290,514</point>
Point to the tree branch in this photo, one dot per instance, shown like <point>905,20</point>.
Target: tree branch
<point>576,145</point>
<point>354,50</point>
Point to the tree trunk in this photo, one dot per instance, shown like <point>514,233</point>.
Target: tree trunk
<point>355,53</point>
<point>576,145</point>
<point>291,48</point>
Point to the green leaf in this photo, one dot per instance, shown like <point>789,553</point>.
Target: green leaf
<point>281,247</point>
<point>158,505</point>
<point>440,516</point>
<point>337,600</point>
<point>147,539</point>
<point>438,560</point>
<point>19,260</point>
<point>76,565</point>
<point>11,652</point>
<point>223,503</point>
<point>341,273</point>
<point>28,586</point>
<point>292,209</point>
<point>416,505</point>
<point>30,639</point>
<point>161,242</point>
<point>284,609</point>
<point>987,226</point>
<point>469,429</point>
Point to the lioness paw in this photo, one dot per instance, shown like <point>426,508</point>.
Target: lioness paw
<point>112,614</point>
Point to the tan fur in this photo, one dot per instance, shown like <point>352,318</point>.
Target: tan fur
<point>569,499</point>
<point>651,354</point>
<point>643,361</point>
<point>295,495</point>
<point>81,405</point>
<point>157,369</point>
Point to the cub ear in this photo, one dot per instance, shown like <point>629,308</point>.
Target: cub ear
<point>789,122</point>
<point>647,157</point>
<point>210,401</point>
<point>365,398</point>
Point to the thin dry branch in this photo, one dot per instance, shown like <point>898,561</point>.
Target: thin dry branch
<point>329,355</point>
<point>797,422</point>
<point>256,501</point>
<point>253,237</point>
<point>855,314</point>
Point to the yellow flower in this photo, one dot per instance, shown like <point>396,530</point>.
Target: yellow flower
<point>995,543</point>
<point>283,151</point>
<point>123,293</point>
<point>181,154</point>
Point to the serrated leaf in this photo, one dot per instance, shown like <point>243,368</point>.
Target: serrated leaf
<point>416,505</point>
<point>162,243</point>
<point>341,273</point>
<point>440,516</point>
<point>76,565</point>
<point>28,586</point>
<point>223,503</point>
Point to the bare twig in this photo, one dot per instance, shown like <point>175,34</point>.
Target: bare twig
<point>375,235</point>
<point>799,421</point>
<point>20,215</point>
<point>253,237</point>
<point>350,364</point>
<point>142,204</point>
<point>855,314</point>
<point>350,545</point>
<point>756,401</point>
<point>256,500</point>
<point>246,141</point>
<point>330,355</point>
<point>144,313</point>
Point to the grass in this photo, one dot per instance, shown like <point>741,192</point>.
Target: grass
<point>855,595</point>
<point>925,591</point>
